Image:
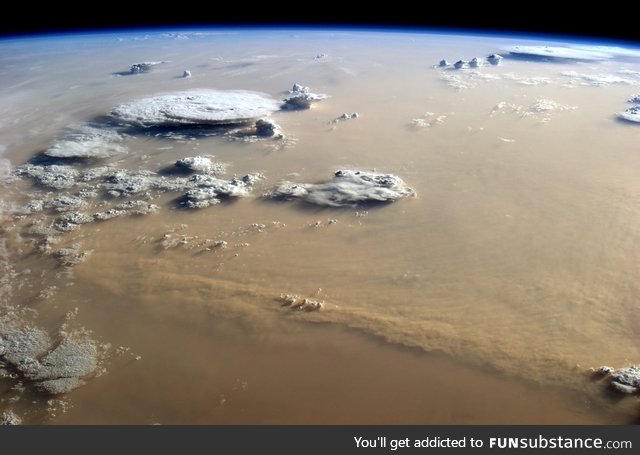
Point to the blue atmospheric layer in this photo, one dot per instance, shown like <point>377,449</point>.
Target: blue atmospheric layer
<point>287,29</point>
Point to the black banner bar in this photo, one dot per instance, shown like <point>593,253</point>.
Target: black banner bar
<point>311,440</point>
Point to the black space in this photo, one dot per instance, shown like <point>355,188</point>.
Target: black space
<point>607,21</point>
